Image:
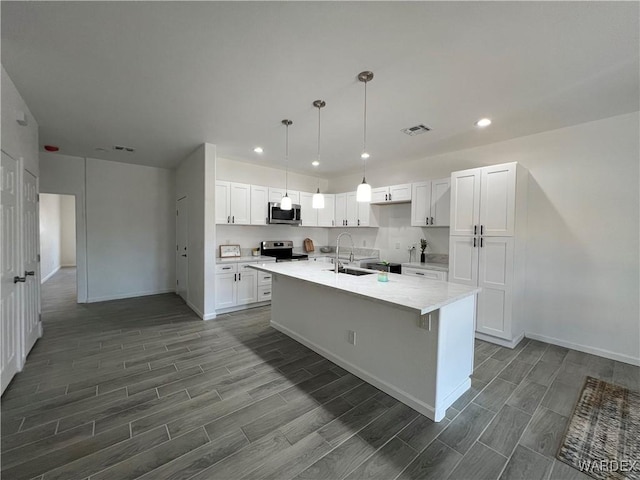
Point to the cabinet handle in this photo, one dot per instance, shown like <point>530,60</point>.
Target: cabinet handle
<point>474,242</point>
<point>431,220</point>
<point>358,222</point>
<point>332,222</point>
<point>229,219</point>
<point>235,277</point>
<point>426,221</point>
<point>267,293</point>
<point>385,197</point>
<point>481,229</point>
<point>32,273</point>
<point>226,268</point>
<point>475,229</point>
<point>481,242</point>
<point>19,279</point>
<point>346,223</point>
<point>389,197</point>
<point>233,219</point>
<point>239,276</point>
<point>418,273</point>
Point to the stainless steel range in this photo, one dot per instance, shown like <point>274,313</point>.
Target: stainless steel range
<point>282,250</point>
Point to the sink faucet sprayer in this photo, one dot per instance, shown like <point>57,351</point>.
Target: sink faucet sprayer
<point>338,250</point>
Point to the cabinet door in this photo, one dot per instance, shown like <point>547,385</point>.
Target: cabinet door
<point>326,215</point>
<point>379,195</point>
<point>223,202</point>
<point>247,286</point>
<point>463,260</point>
<point>226,290</point>
<point>308,214</point>
<point>498,200</point>
<point>440,202</point>
<point>364,214</point>
<point>295,197</point>
<point>276,194</point>
<point>420,204</point>
<point>465,202</point>
<point>352,210</point>
<point>400,193</point>
<point>341,209</point>
<point>495,276</point>
<point>259,205</point>
<point>240,203</point>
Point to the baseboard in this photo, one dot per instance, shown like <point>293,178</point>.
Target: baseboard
<point>68,266</point>
<point>427,410</point>
<point>500,341</point>
<point>50,275</point>
<point>586,349</point>
<point>242,307</point>
<point>106,298</point>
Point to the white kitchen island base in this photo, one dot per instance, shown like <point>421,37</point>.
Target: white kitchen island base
<point>423,360</point>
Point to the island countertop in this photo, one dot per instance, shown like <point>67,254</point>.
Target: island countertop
<point>418,294</point>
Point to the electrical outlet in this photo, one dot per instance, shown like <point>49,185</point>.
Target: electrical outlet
<point>352,337</point>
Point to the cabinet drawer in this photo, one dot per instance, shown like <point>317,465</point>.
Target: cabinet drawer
<point>226,267</point>
<point>430,274</point>
<point>243,267</point>
<point>264,279</point>
<point>264,293</point>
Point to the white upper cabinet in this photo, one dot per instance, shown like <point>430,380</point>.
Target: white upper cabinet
<point>308,214</point>
<point>483,201</point>
<point>341,209</point>
<point>358,214</point>
<point>465,202</point>
<point>430,203</point>
<point>233,203</point>
<point>259,205</point>
<point>276,194</point>
<point>326,215</point>
<point>392,194</point>
<point>498,200</point>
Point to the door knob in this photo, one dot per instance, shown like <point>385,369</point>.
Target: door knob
<point>32,273</point>
<point>184,255</point>
<point>19,279</point>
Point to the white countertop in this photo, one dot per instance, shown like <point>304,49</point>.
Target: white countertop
<point>441,267</point>
<point>246,258</point>
<point>406,291</point>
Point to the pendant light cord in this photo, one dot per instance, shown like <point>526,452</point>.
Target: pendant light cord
<point>318,158</point>
<point>364,135</point>
<point>286,163</point>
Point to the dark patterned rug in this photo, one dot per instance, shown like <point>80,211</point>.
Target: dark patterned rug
<point>603,435</point>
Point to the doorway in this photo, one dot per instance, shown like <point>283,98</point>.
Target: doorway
<point>58,246</point>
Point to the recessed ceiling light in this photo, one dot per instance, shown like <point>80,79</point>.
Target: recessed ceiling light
<point>483,122</point>
<point>258,150</point>
<point>315,163</point>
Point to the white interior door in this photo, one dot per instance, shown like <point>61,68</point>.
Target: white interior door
<point>30,244</point>
<point>182,260</point>
<point>9,310</point>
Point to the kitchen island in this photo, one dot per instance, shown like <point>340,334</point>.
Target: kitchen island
<point>410,337</point>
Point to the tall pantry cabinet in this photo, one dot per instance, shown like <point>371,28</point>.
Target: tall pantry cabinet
<point>487,246</point>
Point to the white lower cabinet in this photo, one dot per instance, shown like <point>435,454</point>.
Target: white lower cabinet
<point>237,285</point>
<point>425,273</point>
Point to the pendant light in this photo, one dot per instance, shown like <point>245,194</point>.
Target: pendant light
<point>285,203</point>
<point>363,193</point>
<point>317,200</point>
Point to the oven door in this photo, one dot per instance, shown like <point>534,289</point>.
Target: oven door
<point>277,215</point>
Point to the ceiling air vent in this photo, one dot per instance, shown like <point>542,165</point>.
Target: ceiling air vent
<point>417,130</point>
<point>122,148</point>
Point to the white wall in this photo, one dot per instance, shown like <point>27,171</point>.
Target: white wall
<point>125,224</point>
<point>195,179</point>
<point>130,230</point>
<point>67,231</point>
<point>582,259</point>
<point>64,174</point>
<point>234,171</point>
<point>50,228</point>
<point>19,142</point>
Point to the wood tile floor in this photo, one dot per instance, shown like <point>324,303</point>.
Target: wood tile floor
<point>141,388</point>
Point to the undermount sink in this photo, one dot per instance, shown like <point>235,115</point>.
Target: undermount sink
<point>349,271</point>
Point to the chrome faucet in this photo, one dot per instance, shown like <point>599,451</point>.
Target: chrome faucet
<point>338,250</point>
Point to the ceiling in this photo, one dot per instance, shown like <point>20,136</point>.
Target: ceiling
<point>164,77</point>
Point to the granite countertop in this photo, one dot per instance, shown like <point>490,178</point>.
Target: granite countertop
<point>441,267</point>
<point>406,291</point>
<point>245,258</point>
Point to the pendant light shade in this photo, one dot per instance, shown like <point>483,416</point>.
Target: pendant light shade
<point>363,193</point>
<point>317,201</point>
<point>285,203</point>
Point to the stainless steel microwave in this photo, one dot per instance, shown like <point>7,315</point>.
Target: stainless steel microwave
<point>288,217</point>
